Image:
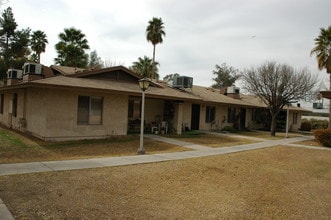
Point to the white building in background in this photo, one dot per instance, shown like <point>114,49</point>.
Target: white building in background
<point>317,106</point>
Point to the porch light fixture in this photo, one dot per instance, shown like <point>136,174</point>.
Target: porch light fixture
<point>143,85</point>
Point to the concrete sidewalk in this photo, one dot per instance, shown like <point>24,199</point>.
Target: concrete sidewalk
<point>197,151</point>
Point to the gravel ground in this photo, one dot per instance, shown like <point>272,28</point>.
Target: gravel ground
<point>272,183</point>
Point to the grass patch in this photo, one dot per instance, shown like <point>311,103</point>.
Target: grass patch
<point>309,143</point>
<point>16,148</point>
<point>266,135</point>
<point>10,142</point>
<point>211,140</point>
<point>186,134</point>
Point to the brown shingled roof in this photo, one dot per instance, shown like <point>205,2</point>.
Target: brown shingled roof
<point>67,70</point>
<point>255,100</point>
<point>214,95</point>
<point>113,86</point>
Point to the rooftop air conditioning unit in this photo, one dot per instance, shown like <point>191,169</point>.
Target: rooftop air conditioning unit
<point>233,90</point>
<point>14,74</point>
<point>182,82</point>
<point>32,68</point>
<point>317,105</point>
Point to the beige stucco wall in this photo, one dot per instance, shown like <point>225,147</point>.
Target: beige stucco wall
<point>7,118</point>
<point>294,127</point>
<point>221,117</point>
<point>52,114</point>
<point>36,112</point>
<point>62,124</point>
<point>187,112</point>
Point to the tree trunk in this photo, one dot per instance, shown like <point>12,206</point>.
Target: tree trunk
<point>273,125</point>
<point>153,63</point>
<point>330,104</point>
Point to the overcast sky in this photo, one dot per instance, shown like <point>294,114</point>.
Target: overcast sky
<point>199,33</point>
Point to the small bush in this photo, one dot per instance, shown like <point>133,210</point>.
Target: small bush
<point>312,124</point>
<point>318,124</point>
<point>305,125</point>
<point>323,136</point>
<point>230,129</point>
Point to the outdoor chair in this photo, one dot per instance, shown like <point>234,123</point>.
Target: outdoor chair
<point>163,127</point>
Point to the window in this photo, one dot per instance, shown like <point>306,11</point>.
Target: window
<point>14,112</point>
<point>1,103</point>
<point>210,114</point>
<point>295,118</point>
<point>231,115</point>
<point>89,110</point>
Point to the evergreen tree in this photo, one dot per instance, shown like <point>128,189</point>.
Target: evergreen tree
<point>95,61</point>
<point>7,30</point>
<point>14,43</point>
<point>225,76</point>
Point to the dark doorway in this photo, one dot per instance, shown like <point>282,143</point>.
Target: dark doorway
<point>242,118</point>
<point>195,117</point>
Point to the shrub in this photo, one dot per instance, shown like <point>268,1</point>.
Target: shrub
<point>323,136</point>
<point>305,125</point>
<point>230,129</point>
<point>318,124</point>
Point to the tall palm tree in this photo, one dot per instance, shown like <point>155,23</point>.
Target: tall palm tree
<point>71,48</point>
<point>322,50</point>
<point>38,43</point>
<point>144,67</point>
<point>154,34</point>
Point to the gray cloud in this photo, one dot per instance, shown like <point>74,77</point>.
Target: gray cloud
<point>199,34</point>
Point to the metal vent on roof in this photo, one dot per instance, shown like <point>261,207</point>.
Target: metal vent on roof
<point>31,68</point>
<point>182,82</point>
<point>14,74</point>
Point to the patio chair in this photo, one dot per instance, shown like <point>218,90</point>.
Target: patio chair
<point>163,127</point>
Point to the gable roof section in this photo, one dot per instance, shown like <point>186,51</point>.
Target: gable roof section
<point>66,70</point>
<point>93,72</point>
<point>119,73</point>
<point>214,95</point>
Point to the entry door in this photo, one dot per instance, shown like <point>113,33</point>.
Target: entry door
<point>195,117</point>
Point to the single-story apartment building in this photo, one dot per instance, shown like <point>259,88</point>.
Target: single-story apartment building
<point>65,103</point>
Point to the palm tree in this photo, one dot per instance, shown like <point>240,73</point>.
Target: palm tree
<point>322,50</point>
<point>144,67</point>
<point>71,48</point>
<point>154,34</point>
<point>38,43</point>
